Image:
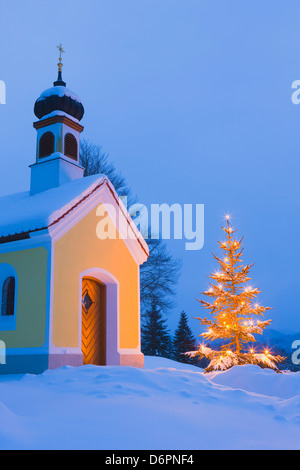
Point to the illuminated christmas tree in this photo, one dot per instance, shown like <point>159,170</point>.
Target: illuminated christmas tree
<point>236,317</point>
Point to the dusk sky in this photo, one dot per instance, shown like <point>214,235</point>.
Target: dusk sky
<point>192,101</point>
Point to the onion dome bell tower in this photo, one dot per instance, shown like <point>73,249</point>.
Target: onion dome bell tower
<point>58,136</point>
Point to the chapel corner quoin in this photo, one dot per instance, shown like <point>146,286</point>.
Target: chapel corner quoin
<point>66,296</point>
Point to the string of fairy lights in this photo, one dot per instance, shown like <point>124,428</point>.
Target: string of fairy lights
<point>232,306</point>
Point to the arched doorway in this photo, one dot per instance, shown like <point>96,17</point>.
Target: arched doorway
<point>93,329</point>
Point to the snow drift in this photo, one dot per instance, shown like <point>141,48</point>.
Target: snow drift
<point>166,405</point>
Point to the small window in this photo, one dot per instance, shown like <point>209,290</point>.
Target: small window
<point>71,146</point>
<point>8,297</point>
<point>46,145</point>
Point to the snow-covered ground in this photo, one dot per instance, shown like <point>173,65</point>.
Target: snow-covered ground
<point>166,405</point>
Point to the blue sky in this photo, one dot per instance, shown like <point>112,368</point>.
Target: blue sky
<point>192,100</point>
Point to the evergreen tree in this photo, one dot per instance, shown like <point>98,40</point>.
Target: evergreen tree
<point>156,339</point>
<point>183,341</point>
<point>236,318</point>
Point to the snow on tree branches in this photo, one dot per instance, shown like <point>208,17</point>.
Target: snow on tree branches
<point>236,316</point>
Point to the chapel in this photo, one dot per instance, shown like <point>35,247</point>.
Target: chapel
<point>69,291</point>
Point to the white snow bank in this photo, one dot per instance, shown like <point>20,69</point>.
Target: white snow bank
<point>263,381</point>
<point>152,362</point>
<point>166,405</point>
<point>22,213</point>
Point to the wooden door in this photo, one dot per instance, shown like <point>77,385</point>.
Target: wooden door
<point>93,322</point>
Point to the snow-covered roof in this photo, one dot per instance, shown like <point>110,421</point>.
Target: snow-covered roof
<point>59,113</point>
<point>21,212</point>
<point>59,91</point>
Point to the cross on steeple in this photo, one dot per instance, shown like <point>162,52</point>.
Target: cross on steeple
<point>60,81</point>
<point>61,51</point>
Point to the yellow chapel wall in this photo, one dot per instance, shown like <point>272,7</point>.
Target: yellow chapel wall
<point>77,251</point>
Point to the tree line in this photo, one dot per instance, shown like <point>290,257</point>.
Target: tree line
<point>158,341</point>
